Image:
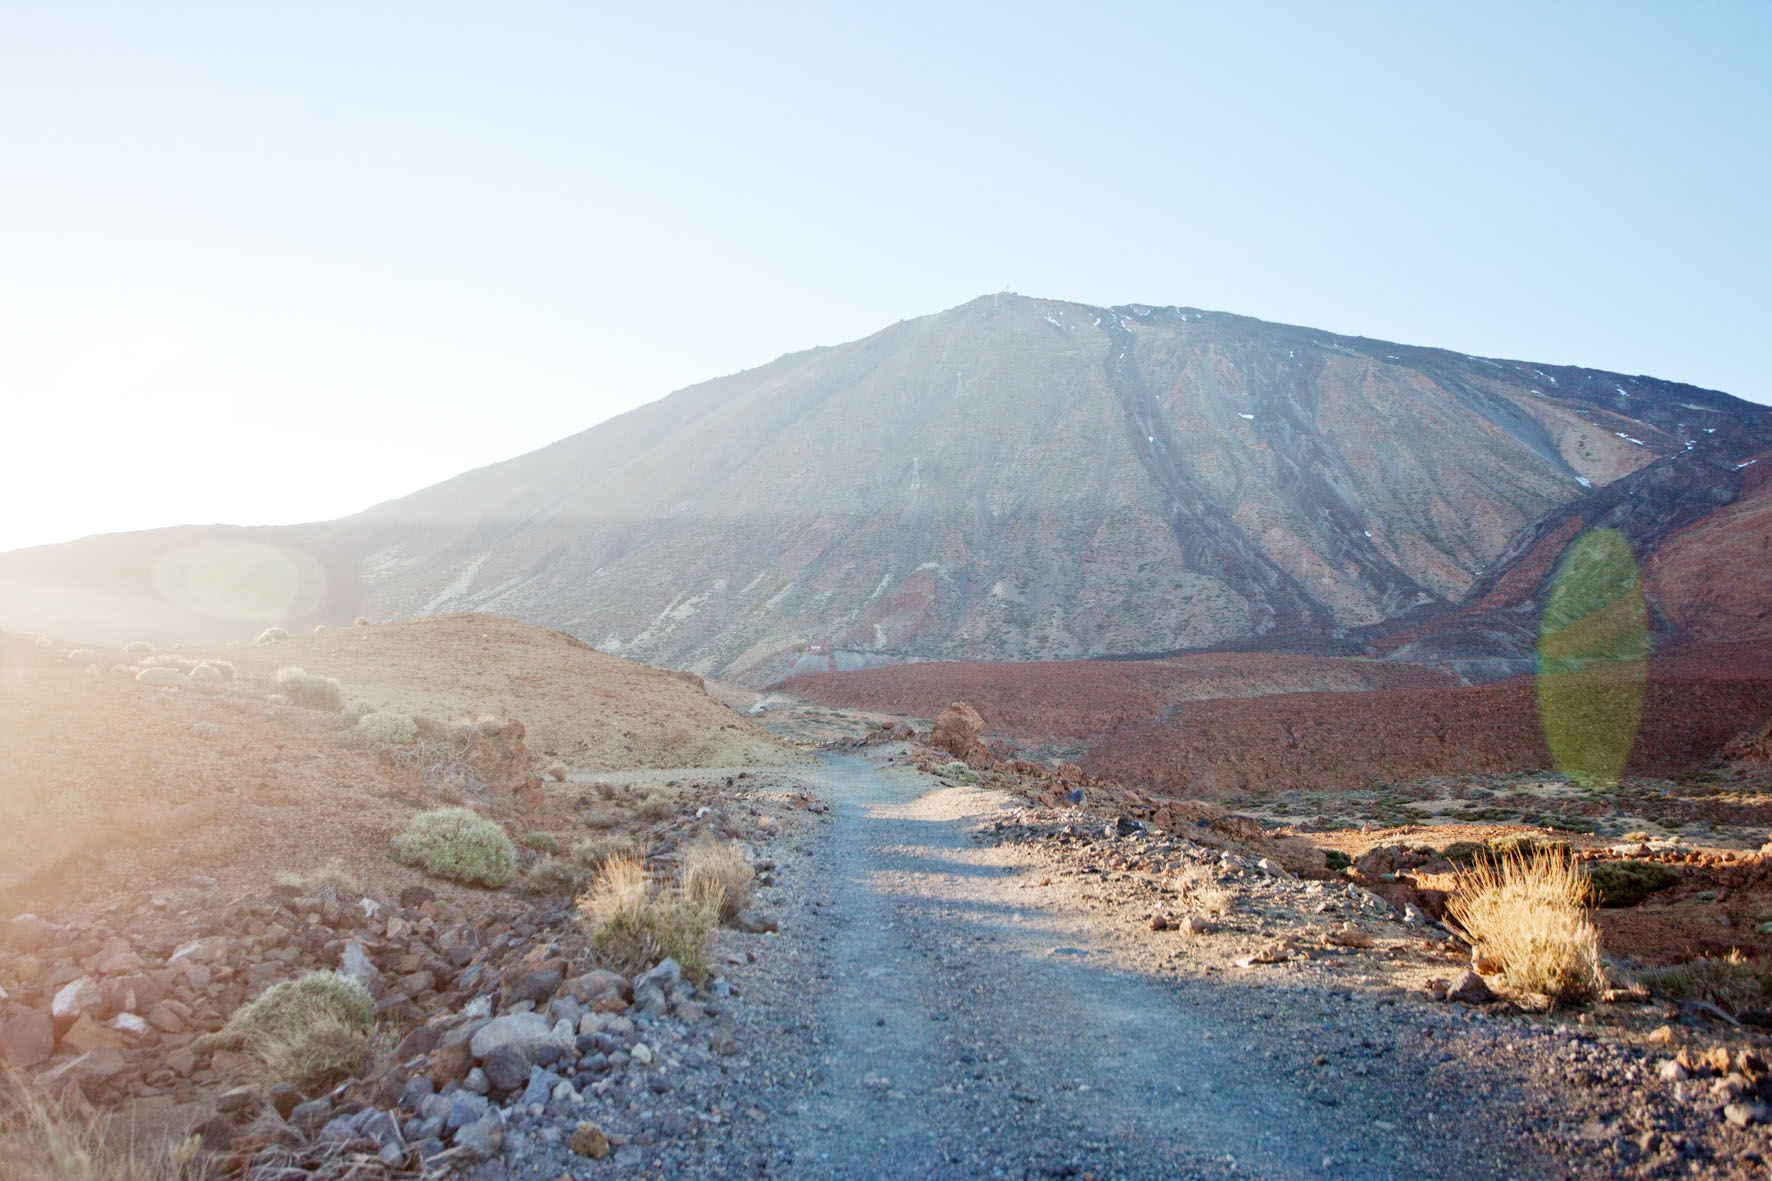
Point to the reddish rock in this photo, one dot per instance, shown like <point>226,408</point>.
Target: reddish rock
<point>598,986</point>
<point>449,1064</point>
<point>27,1039</point>
<point>956,730</point>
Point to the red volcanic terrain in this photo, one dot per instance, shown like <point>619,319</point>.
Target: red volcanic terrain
<point>1225,726</point>
<point>1081,700</point>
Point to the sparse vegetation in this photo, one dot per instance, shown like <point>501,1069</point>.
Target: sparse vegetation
<point>633,924</point>
<point>542,842</point>
<point>46,1139</point>
<point>138,647</point>
<point>553,873</point>
<point>206,676</point>
<point>957,770</point>
<point>1529,916</point>
<point>205,729</point>
<point>457,844</point>
<point>557,771</point>
<point>1732,981</point>
<point>310,690</point>
<point>439,764</point>
<point>310,1032</point>
<point>1201,891</point>
<point>1626,883</point>
<point>333,873</point>
<point>362,621</point>
<point>271,635</point>
<point>390,728</point>
<point>716,876</point>
<point>657,804</point>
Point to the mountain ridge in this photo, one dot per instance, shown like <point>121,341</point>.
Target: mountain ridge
<point>1018,478</point>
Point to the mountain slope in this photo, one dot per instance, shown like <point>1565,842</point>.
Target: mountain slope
<point>1020,479</point>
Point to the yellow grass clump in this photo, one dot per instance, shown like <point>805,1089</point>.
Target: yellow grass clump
<point>1530,916</point>
<point>633,924</point>
<point>45,1139</point>
<point>716,876</point>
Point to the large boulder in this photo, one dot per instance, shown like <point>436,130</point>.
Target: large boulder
<point>956,730</point>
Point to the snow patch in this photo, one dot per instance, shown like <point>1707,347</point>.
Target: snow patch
<point>457,588</point>
<point>1054,320</point>
<point>1584,481</point>
<point>1748,463</point>
<point>1250,417</point>
<point>1627,438</point>
<point>1621,391</point>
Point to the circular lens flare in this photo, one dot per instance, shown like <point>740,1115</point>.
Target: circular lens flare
<point>241,580</point>
<point>1593,645</point>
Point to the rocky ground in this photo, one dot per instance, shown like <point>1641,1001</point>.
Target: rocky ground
<point>945,973</point>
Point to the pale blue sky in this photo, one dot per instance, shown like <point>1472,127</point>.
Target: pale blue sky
<point>276,262</point>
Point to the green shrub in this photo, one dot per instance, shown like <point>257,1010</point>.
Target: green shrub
<point>311,1032</point>
<point>271,635</point>
<point>392,729</point>
<point>1626,883</point>
<point>1335,859</point>
<point>957,770</point>
<point>310,690</point>
<point>542,842</point>
<point>455,843</point>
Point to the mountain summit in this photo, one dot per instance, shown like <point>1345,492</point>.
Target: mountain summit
<point>1020,479</point>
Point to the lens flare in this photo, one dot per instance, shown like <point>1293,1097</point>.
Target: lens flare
<point>1593,644</point>
<point>241,580</point>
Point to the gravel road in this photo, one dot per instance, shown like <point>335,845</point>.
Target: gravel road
<point>924,1013</point>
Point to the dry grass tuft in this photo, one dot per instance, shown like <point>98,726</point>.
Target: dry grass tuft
<point>311,1032</point>
<point>310,690</point>
<point>44,1139</point>
<point>717,877</point>
<point>1732,981</point>
<point>1530,916</point>
<point>1198,889</point>
<point>633,925</point>
<point>333,873</point>
<point>389,728</point>
<point>657,804</point>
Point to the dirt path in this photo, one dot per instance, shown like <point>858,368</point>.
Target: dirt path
<point>957,1024</point>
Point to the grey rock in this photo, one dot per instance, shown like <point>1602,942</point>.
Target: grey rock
<point>89,1071</point>
<point>476,1082</point>
<point>416,1089</point>
<point>755,922</point>
<point>310,1115</point>
<point>1743,1114</point>
<point>483,1138</point>
<point>507,1067</point>
<point>540,1087</point>
<point>1469,989</point>
<point>467,1109</point>
<point>380,1126</point>
<point>520,1030</point>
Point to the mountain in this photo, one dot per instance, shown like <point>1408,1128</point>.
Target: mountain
<point>1011,479</point>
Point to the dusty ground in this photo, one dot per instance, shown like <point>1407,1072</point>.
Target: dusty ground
<point>108,784</point>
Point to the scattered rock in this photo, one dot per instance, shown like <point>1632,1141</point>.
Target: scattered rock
<point>589,1140</point>
<point>1469,989</point>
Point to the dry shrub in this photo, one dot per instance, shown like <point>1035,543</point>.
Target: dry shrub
<point>633,925</point>
<point>45,1139</point>
<point>138,647</point>
<point>333,873</point>
<point>555,873</point>
<point>1530,916</point>
<point>390,728</point>
<point>1732,981</point>
<point>310,690</point>
<point>362,621</point>
<point>311,1032</point>
<point>1200,890</point>
<point>271,635</point>
<point>717,877</point>
<point>440,764</point>
<point>657,804</point>
<point>557,771</point>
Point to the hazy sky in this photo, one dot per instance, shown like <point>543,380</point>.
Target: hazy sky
<point>266,263</point>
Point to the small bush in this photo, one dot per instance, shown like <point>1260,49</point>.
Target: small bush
<point>389,728</point>
<point>591,853</point>
<point>557,771</point>
<point>311,1032</point>
<point>1335,859</point>
<point>333,873</point>
<point>1732,981</point>
<point>633,926</point>
<point>1464,852</point>
<point>138,647</point>
<point>362,621</point>
<point>45,642</point>
<point>657,804</point>
<point>1523,846</point>
<point>165,678</point>
<point>542,842</point>
<point>1201,890</point>
<point>206,676</point>
<point>310,690</point>
<point>271,635</point>
<point>957,770</point>
<point>46,1139</point>
<point>83,656</point>
<point>455,843</point>
<point>205,729</point>
<point>1626,883</point>
<point>716,876</point>
<point>1530,917</point>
